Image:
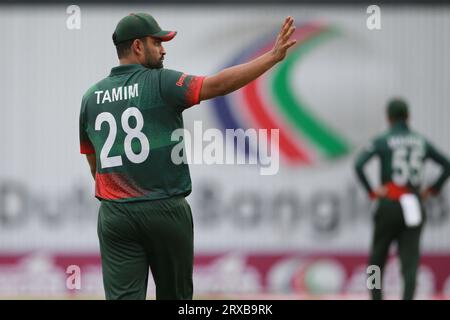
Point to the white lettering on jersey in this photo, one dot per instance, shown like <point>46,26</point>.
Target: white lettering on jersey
<point>117,94</point>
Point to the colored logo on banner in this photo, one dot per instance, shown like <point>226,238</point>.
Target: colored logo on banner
<point>273,102</point>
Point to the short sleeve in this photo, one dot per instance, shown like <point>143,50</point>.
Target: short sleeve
<point>180,89</point>
<point>86,146</point>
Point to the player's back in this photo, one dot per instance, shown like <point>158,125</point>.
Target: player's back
<point>127,121</point>
<point>402,153</point>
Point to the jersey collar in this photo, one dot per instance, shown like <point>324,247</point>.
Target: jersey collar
<point>400,126</point>
<point>126,68</point>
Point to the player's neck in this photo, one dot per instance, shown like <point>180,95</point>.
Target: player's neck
<point>401,124</point>
<point>127,60</point>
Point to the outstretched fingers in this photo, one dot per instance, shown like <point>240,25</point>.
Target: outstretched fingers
<point>289,33</point>
<point>287,30</point>
<point>290,44</point>
<point>283,41</point>
<point>286,25</point>
<point>283,26</point>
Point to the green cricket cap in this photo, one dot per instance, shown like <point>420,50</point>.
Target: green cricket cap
<point>140,25</point>
<point>397,109</point>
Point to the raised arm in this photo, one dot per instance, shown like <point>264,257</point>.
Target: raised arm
<point>233,78</point>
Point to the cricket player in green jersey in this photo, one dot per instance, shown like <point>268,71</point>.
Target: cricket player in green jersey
<point>126,122</point>
<point>400,215</point>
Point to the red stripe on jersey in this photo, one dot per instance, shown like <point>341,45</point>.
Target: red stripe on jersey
<point>193,90</point>
<point>86,147</point>
<point>113,186</point>
<point>394,192</point>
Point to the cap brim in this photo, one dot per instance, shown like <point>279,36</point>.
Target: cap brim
<point>165,35</point>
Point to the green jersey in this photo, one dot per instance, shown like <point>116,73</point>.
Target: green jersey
<point>402,155</point>
<point>127,120</point>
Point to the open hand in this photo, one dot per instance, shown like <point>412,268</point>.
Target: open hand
<point>426,193</point>
<point>380,192</point>
<point>283,43</point>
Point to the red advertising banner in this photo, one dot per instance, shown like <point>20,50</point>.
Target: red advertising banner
<point>231,275</point>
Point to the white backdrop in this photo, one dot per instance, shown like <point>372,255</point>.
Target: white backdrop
<point>45,186</point>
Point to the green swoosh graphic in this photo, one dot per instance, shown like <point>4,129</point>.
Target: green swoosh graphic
<point>326,139</point>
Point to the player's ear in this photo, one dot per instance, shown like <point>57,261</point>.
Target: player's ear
<point>137,47</point>
<point>390,120</point>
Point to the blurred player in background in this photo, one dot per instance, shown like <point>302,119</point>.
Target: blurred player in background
<point>126,122</point>
<point>400,215</point>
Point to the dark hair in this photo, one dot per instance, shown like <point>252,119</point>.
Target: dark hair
<point>397,110</point>
<point>123,48</point>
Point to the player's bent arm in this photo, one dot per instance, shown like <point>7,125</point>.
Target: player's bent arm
<point>443,161</point>
<point>360,162</point>
<point>92,163</point>
<point>233,78</point>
